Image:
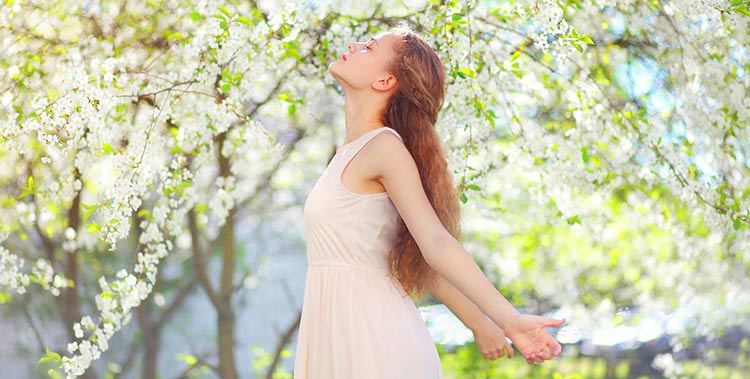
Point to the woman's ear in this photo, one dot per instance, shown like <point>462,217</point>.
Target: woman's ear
<point>385,83</point>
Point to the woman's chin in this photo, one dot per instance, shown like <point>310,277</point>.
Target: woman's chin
<point>333,66</point>
<point>332,72</point>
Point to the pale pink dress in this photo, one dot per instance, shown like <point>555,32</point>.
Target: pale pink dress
<point>357,320</point>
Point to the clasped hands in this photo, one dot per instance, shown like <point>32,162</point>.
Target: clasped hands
<point>528,334</point>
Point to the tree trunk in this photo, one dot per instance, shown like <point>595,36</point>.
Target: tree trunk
<point>225,319</point>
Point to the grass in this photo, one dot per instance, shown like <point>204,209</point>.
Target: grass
<point>467,363</point>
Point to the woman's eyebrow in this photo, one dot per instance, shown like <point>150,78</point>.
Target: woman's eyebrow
<point>373,39</point>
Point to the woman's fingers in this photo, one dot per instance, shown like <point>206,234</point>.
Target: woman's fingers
<point>494,354</point>
<point>546,354</point>
<point>532,358</point>
<point>551,322</point>
<point>557,349</point>
<point>539,356</point>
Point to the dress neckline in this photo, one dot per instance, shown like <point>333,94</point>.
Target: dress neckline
<point>341,148</point>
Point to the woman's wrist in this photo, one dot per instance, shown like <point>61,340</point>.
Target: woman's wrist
<point>481,323</point>
<point>510,323</point>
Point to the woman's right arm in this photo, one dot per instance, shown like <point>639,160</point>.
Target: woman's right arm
<point>448,257</point>
<point>469,314</point>
<point>490,339</point>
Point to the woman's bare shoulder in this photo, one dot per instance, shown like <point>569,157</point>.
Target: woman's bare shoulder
<point>384,151</point>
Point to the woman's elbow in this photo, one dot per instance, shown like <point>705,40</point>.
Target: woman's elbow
<point>436,246</point>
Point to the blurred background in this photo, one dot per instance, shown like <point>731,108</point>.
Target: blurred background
<point>155,156</point>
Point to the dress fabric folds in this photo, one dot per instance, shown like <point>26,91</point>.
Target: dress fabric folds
<point>357,320</point>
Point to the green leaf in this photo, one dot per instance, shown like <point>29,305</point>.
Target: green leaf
<point>573,220</point>
<point>174,36</point>
<point>577,46</point>
<point>196,16</point>
<point>586,39</point>
<point>200,208</point>
<point>585,155</point>
<point>93,227</point>
<point>50,356</point>
<point>257,14</point>
<point>107,149</point>
<point>245,21</point>
<point>490,119</point>
<point>224,10</point>
<point>291,49</point>
<point>29,189</point>
<point>90,209</point>
<point>473,187</point>
<point>226,87</point>
<point>189,359</point>
<point>736,223</point>
<point>463,198</point>
<point>464,72</point>
<point>107,294</point>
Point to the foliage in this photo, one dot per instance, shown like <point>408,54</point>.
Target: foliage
<point>599,147</point>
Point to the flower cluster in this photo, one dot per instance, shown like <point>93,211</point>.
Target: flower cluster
<point>14,278</point>
<point>552,113</point>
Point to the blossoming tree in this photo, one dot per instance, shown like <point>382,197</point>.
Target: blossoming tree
<point>135,135</point>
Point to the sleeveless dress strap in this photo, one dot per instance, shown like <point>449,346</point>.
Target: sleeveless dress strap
<point>394,132</point>
<point>355,146</point>
<point>350,150</point>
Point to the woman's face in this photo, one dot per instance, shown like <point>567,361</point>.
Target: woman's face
<point>365,64</point>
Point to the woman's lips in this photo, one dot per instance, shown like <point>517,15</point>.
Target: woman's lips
<point>343,57</point>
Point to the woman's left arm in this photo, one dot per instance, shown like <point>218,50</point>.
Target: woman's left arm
<point>400,177</point>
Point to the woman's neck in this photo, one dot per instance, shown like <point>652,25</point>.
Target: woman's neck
<point>364,112</point>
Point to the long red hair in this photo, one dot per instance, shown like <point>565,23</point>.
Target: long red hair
<point>412,111</point>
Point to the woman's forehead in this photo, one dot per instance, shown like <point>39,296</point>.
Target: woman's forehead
<point>386,37</point>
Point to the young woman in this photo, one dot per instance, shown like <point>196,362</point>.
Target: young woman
<point>382,222</point>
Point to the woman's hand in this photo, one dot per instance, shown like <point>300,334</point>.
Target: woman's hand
<point>531,339</point>
<point>491,341</point>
